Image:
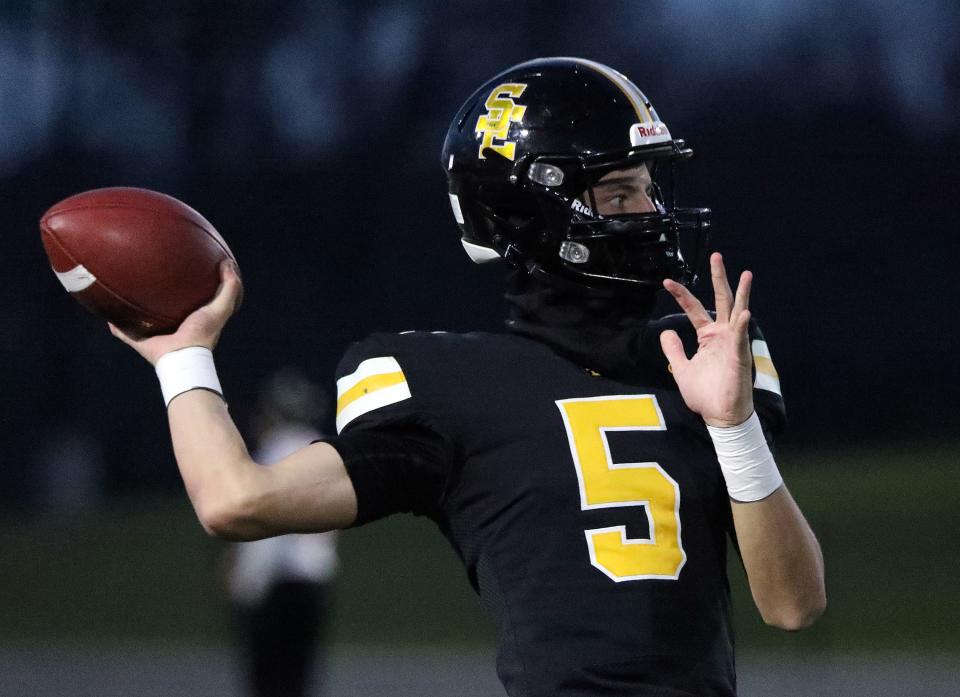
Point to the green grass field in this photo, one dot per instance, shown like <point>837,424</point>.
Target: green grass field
<point>144,570</point>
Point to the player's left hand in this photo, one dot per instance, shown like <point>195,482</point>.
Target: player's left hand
<point>717,382</point>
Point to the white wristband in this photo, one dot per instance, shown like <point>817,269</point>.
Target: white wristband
<point>187,369</point>
<point>746,461</point>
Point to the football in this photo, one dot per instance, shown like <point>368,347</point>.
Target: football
<point>138,258</point>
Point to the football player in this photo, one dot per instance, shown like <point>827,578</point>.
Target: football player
<point>588,465</point>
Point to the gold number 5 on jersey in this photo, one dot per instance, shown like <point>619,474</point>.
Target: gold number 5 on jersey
<point>605,484</point>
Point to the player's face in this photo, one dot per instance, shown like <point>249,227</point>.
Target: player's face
<point>624,191</point>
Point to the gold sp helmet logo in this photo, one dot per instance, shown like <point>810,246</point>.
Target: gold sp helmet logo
<point>501,110</point>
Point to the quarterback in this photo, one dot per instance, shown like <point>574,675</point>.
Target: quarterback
<point>588,465</point>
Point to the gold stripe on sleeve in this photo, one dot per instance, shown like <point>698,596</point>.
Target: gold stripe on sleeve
<point>765,366</point>
<point>368,385</point>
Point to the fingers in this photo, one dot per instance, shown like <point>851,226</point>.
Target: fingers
<point>231,268</point>
<point>729,308</point>
<point>688,303</point>
<point>230,293</point>
<point>723,296</point>
<point>743,294</point>
<point>742,323</point>
<point>672,348</point>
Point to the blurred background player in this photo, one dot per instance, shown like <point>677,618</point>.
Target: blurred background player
<point>280,587</point>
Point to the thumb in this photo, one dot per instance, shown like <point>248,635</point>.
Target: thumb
<point>673,349</point>
<point>120,334</point>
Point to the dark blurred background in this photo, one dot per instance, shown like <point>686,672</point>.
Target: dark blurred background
<point>828,146</point>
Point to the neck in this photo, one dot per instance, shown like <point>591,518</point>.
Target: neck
<point>597,328</point>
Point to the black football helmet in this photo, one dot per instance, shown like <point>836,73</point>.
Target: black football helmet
<point>523,156</point>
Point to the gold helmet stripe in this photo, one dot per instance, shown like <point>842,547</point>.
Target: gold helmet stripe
<point>633,95</point>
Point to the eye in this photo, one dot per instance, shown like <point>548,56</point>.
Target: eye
<point>617,201</point>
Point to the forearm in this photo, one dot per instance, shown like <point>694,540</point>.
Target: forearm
<point>236,498</point>
<point>783,560</point>
<point>780,553</point>
<point>219,475</point>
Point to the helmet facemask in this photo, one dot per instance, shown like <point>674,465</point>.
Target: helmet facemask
<point>581,235</point>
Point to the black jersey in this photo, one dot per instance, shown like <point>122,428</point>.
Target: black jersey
<point>591,514</point>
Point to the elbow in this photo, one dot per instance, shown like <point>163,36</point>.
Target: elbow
<point>229,512</point>
<point>793,617</point>
<point>224,520</point>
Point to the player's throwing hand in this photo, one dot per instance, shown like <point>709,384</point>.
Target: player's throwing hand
<point>716,383</point>
<point>201,328</point>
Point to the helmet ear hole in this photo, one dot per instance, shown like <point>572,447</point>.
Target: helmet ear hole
<point>509,205</point>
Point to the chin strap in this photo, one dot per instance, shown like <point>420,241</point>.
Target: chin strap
<point>516,258</point>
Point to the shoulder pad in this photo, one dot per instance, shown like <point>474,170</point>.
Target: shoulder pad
<point>388,379</point>
<point>369,377</point>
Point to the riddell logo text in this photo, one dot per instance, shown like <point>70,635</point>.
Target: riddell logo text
<point>654,130</point>
<point>580,208</point>
<point>649,132</point>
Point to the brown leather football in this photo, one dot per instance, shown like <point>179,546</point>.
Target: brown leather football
<point>138,258</point>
